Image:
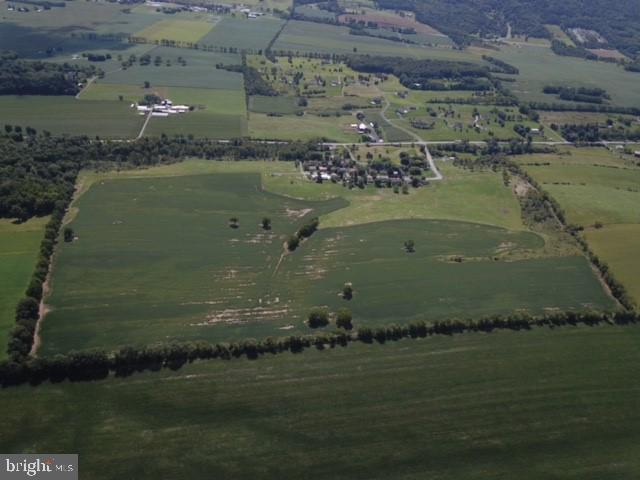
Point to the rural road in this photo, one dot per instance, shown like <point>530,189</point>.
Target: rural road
<point>419,141</point>
<point>144,126</point>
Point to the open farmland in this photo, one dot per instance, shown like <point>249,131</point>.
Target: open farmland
<point>19,246</point>
<point>539,67</point>
<point>176,30</point>
<point>217,114</point>
<point>307,127</point>
<point>66,115</point>
<point>136,234</point>
<point>299,36</point>
<point>558,403</point>
<point>617,245</point>
<point>241,33</point>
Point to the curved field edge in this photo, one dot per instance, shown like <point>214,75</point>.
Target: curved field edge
<point>478,197</point>
<point>490,398</point>
<point>156,258</point>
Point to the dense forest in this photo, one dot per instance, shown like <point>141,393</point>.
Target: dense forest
<point>20,77</point>
<point>420,74</point>
<point>618,23</point>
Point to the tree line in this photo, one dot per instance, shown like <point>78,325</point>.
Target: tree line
<point>39,170</point>
<point>98,364</point>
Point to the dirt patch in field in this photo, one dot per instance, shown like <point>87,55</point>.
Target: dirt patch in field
<point>607,53</point>
<point>244,315</point>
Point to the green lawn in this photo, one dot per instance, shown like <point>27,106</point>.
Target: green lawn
<point>66,115</point>
<point>156,259</point>
<point>558,404</point>
<point>19,247</point>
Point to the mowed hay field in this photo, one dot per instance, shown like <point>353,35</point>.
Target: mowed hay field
<point>19,247</point>
<point>243,32</point>
<point>164,264</point>
<point>66,115</point>
<point>177,30</point>
<point>533,405</point>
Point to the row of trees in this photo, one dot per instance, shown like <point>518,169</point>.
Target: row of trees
<point>97,364</point>
<point>22,336</point>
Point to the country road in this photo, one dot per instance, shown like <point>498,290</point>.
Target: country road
<point>419,141</point>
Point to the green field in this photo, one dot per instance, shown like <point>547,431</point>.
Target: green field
<point>617,245</point>
<point>591,185</point>
<point>218,114</point>
<point>300,36</point>
<point>66,115</point>
<point>199,72</point>
<point>280,104</point>
<point>135,234</point>
<point>241,33</point>
<point>307,127</point>
<point>558,404</point>
<point>178,30</point>
<point>19,247</point>
<point>539,66</point>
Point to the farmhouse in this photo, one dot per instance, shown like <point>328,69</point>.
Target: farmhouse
<point>637,153</point>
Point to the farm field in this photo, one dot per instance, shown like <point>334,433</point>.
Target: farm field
<point>316,37</point>
<point>218,114</point>
<point>66,115</point>
<point>539,67</point>
<point>591,186</point>
<point>241,33</point>
<point>176,30</point>
<point>19,248</point>
<point>617,245</point>
<point>199,72</point>
<point>307,127</point>
<point>281,104</point>
<point>135,234</point>
<point>399,410</point>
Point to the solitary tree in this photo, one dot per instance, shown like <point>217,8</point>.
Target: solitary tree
<point>318,317</point>
<point>266,223</point>
<point>409,246</point>
<point>234,222</point>
<point>147,84</point>
<point>68,234</point>
<point>347,291</point>
<point>343,319</point>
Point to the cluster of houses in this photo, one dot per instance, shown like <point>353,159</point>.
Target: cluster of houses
<point>162,109</point>
<point>351,174</point>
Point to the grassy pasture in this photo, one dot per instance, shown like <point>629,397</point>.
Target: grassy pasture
<point>316,37</point>
<point>178,30</point>
<point>307,127</point>
<point>243,32</point>
<point>136,234</point>
<point>592,185</point>
<point>281,104</point>
<point>617,245</point>
<point>66,115</point>
<point>19,247</point>
<point>218,114</point>
<point>556,404</point>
